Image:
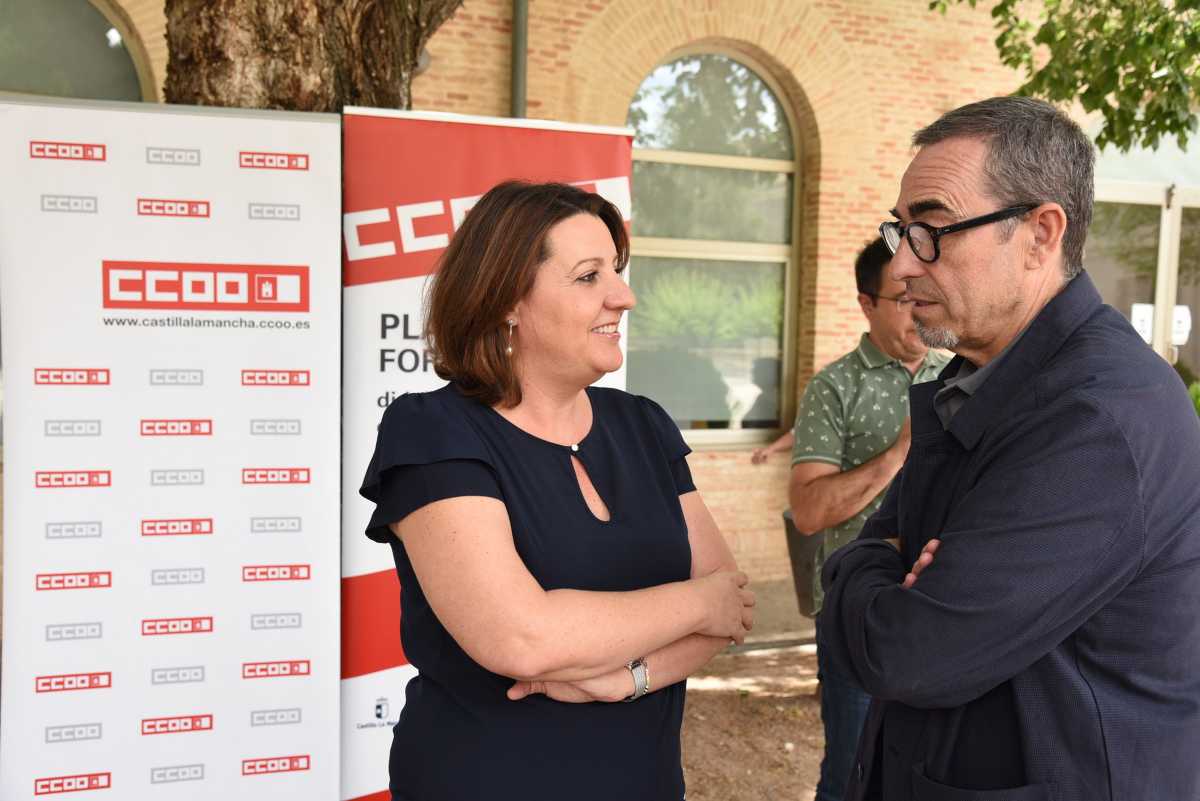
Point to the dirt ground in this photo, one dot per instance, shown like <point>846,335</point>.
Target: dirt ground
<point>752,727</point>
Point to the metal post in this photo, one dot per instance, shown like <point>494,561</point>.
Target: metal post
<point>520,49</point>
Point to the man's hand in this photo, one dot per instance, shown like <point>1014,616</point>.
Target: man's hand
<point>923,561</point>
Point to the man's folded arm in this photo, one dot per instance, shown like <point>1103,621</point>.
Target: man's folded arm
<point>1051,532</point>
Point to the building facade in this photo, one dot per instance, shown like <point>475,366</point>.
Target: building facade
<point>771,137</point>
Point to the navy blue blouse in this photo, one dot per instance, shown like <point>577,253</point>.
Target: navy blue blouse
<point>459,738</point>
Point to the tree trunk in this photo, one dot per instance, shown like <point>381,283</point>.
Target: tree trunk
<point>303,55</point>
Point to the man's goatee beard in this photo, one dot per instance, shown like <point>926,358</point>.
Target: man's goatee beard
<point>942,338</point>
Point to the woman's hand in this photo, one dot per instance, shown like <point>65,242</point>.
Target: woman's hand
<point>613,686</point>
<point>729,604</point>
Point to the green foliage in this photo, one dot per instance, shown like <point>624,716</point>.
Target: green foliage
<point>687,308</point>
<point>1137,62</point>
<point>709,104</point>
<point>1194,391</point>
<point>1186,373</point>
<point>691,308</point>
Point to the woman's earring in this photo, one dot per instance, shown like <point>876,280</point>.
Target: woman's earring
<point>511,324</point>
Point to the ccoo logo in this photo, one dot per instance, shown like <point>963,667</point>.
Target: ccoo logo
<point>67,682</point>
<point>160,207</point>
<point>69,151</point>
<point>156,627</point>
<point>177,527</point>
<point>72,784</point>
<point>274,670</point>
<point>70,376</point>
<point>255,160</point>
<point>212,287</point>
<point>71,479</point>
<point>176,428</point>
<point>177,725</point>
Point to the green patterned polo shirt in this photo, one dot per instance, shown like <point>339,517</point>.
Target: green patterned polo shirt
<point>851,412</point>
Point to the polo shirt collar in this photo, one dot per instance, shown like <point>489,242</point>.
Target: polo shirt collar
<point>1065,312</point>
<point>870,355</point>
<point>873,358</point>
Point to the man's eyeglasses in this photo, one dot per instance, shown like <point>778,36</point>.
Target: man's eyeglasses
<point>924,238</point>
<point>901,302</point>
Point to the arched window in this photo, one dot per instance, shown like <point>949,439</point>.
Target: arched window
<point>714,180</point>
<point>65,48</point>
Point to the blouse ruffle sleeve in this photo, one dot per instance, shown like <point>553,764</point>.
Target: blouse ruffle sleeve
<point>671,441</point>
<point>424,452</point>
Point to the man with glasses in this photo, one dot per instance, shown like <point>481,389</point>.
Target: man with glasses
<point>1024,603</point>
<point>850,438</point>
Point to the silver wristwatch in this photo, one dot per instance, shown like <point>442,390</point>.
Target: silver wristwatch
<point>641,679</point>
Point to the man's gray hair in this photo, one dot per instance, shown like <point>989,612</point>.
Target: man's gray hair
<point>1036,154</point>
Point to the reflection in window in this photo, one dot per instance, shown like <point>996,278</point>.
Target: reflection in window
<point>64,48</point>
<point>704,340</point>
<point>1121,256</point>
<point>709,104</point>
<point>713,163</point>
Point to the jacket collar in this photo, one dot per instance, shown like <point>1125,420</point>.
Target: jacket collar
<point>1077,301</point>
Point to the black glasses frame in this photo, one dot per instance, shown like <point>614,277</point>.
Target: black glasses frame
<point>896,230</point>
<point>900,301</point>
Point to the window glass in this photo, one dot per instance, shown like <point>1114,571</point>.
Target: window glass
<point>1121,256</point>
<point>710,104</point>
<point>64,48</point>
<point>1186,336</point>
<point>704,340</point>
<point>689,202</point>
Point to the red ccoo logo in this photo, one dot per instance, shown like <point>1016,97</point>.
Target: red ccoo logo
<point>213,287</point>
<point>276,572</point>
<point>273,670</point>
<point>253,160</point>
<point>158,207</point>
<point>177,725</point>
<point>176,625</point>
<point>70,479</point>
<point>90,580</point>
<point>283,764</point>
<point>70,376</point>
<point>176,428</point>
<point>275,378</point>
<point>73,681</point>
<point>71,151</point>
<point>275,475</point>
<point>177,527</point>
<point>72,784</point>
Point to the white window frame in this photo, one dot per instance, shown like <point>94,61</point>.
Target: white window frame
<point>748,252</point>
<point>1171,201</point>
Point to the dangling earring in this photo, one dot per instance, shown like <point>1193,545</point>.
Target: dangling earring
<point>511,324</point>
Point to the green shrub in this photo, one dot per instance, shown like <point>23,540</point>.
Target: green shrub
<point>1194,391</point>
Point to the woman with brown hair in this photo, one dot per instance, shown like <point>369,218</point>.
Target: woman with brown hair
<point>553,553</point>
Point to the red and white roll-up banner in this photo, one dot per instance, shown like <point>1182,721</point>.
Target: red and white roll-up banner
<point>409,179</point>
<point>171,317</point>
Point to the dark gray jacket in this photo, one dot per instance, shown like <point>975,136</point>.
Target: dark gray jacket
<point>1052,650</point>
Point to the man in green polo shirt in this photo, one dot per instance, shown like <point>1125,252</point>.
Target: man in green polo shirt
<point>851,437</point>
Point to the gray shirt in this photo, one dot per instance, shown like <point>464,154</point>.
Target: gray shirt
<point>965,383</point>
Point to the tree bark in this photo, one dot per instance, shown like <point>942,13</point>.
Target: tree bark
<point>303,55</point>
